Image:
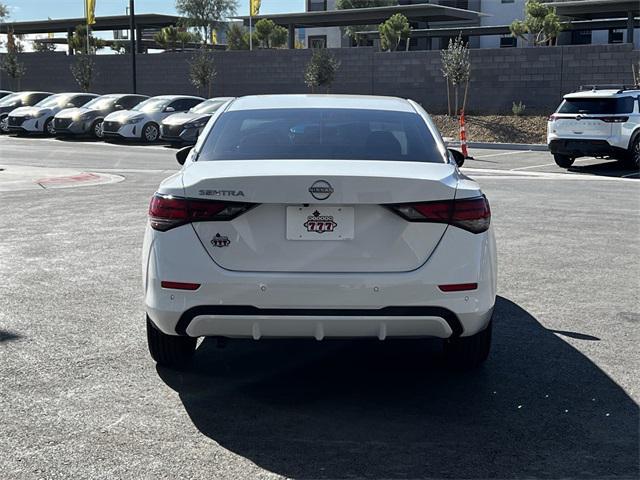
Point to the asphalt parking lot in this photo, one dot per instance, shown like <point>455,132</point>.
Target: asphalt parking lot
<point>81,397</point>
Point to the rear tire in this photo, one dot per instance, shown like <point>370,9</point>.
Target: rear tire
<point>169,350</point>
<point>4,124</point>
<point>465,353</point>
<point>564,161</point>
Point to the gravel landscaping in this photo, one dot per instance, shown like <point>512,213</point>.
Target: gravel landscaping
<point>496,128</point>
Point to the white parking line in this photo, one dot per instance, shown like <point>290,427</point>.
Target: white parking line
<point>546,165</point>
<point>492,173</point>
<point>510,152</point>
<point>102,144</point>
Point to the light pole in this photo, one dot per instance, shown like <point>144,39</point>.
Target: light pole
<point>132,33</point>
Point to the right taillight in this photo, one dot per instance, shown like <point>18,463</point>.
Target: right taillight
<point>167,212</point>
<point>471,214</point>
<point>552,118</point>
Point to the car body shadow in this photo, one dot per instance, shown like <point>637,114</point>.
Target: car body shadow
<point>608,168</point>
<point>343,409</point>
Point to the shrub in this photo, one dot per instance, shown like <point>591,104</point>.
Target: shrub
<point>518,108</point>
<point>321,69</point>
<point>395,29</point>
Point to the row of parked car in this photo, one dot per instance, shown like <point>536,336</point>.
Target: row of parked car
<point>177,119</point>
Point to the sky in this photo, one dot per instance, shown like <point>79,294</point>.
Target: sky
<point>42,9</point>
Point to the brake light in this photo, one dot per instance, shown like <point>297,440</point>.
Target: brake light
<point>471,214</point>
<point>612,119</point>
<point>167,212</point>
<point>552,118</point>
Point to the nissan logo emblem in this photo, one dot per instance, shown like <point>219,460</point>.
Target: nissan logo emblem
<point>321,190</point>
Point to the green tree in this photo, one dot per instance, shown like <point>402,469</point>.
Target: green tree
<point>540,22</point>
<point>169,38</point>
<point>43,47</point>
<point>352,30</point>
<point>10,63</point>
<point>237,37</point>
<point>456,69</point>
<point>321,69</point>
<point>279,37</point>
<point>202,71</point>
<point>121,46</point>
<point>83,71</point>
<point>79,41</point>
<point>205,14</point>
<point>269,35</point>
<point>393,31</point>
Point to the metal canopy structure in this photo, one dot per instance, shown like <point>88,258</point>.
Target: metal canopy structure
<point>68,25</point>
<point>599,9</point>
<point>594,9</point>
<point>504,29</point>
<point>367,16</point>
<point>116,22</point>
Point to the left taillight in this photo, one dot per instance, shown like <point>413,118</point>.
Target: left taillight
<point>167,212</point>
<point>471,214</point>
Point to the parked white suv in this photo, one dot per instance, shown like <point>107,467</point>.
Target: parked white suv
<point>598,121</point>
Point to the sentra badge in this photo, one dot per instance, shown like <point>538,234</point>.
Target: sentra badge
<point>220,241</point>
<point>321,190</point>
<point>320,223</point>
<point>221,193</point>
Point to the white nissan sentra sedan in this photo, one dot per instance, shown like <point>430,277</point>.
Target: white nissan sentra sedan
<point>143,121</point>
<point>319,216</point>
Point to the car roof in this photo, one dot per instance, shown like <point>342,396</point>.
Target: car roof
<point>608,93</point>
<point>362,102</point>
<point>176,97</point>
<point>123,95</point>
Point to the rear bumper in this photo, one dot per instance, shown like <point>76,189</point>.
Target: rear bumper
<point>584,148</point>
<point>319,305</point>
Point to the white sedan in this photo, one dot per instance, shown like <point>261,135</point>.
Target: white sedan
<point>39,118</point>
<point>143,121</point>
<point>313,216</point>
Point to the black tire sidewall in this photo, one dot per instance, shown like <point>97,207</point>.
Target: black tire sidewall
<point>144,132</point>
<point>46,127</point>
<point>93,129</point>
<point>563,161</point>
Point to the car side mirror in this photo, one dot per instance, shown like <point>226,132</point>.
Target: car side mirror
<point>183,153</point>
<point>70,105</point>
<point>119,107</point>
<point>169,109</point>
<point>458,157</point>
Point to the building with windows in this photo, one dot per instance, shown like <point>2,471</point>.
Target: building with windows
<point>482,23</point>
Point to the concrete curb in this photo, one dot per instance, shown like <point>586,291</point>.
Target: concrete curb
<point>537,147</point>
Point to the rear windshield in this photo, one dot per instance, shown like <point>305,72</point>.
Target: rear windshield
<point>316,133</point>
<point>605,106</point>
